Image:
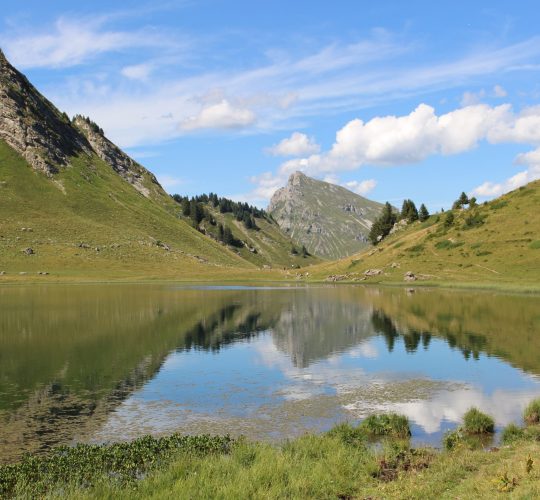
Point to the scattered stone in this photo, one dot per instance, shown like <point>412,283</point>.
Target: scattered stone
<point>409,276</point>
<point>28,251</point>
<point>2,273</point>
<point>394,265</point>
<point>29,229</point>
<point>97,249</point>
<point>83,245</point>
<point>398,226</point>
<point>411,290</point>
<point>22,273</point>
<point>372,272</point>
<point>266,266</point>
<point>43,273</point>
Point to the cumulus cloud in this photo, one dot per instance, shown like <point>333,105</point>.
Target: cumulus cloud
<point>362,187</point>
<point>221,115</point>
<point>297,144</point>
<point>71,42</point>
<point>408,139</point>
<point>531,160</point>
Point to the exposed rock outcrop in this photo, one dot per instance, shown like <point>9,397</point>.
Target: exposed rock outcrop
<point>47,138</point>
<point>33,126</point>
<point>329,220</point>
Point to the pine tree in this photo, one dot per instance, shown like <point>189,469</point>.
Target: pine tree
<point>383,225</point>
<point>186,209</point>
<point>472,202</point>
<point>463,199</point>
<point>228,238</point>
<point>220,232</point>
<point>304,252</point>
<point>423,213</point>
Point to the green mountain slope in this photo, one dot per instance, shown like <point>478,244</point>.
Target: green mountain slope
<point>254,235</point>
<point>496,242</point>
<point>73,203</point>
<point>329,220</point>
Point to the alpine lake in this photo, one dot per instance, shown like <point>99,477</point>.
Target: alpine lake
<point>103,363</point>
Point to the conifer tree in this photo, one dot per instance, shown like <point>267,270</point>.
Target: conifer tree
<point>423,213</point>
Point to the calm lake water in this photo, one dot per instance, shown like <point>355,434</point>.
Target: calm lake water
<point>101,363</point>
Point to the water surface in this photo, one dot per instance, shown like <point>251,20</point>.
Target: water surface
<point>101,363</point>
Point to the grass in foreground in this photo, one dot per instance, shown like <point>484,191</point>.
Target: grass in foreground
<point>338,464</point>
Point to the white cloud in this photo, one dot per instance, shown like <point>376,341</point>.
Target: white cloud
<point>72,42</point>
<point>530,160</point>
<point>398,140</point>
<point>221,115</point>
<point>137,71</point>
<point>499,91</point>
<point>362,187</point>
<point>470,98</point>
<point>297,144</point>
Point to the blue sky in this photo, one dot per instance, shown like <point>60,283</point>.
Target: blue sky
<point>402,99</point>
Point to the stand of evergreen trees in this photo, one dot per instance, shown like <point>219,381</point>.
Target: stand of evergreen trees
<point>384,224</point>
<point>195,209</point>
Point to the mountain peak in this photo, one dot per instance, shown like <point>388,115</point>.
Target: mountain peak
<point>329,220</point>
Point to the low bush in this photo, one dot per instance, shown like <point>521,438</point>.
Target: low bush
<point>390,424</point>
<point>476,422</point>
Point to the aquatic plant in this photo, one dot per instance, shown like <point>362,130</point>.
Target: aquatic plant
<point>476,422</point>
<point>346,433</point>
<point>86,465</point>
<point>388,424</point>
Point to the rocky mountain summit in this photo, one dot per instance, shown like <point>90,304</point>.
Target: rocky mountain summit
<point>47,138</point>
<point>329,220</point>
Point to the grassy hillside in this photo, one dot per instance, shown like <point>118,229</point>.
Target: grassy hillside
<point>265,245</point>
<point>87,221</point>
<point>497,242</point>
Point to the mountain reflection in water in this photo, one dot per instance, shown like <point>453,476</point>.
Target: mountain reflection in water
<point>96,363</point>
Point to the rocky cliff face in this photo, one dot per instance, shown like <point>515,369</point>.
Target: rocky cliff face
<point>32,126</point>
<point>121,163</point>
<point>47,138</point>
<point>329,220</point>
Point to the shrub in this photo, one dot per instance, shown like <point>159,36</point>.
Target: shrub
<point>474,220</point>
<point>535,245</point>
<point>531,415</point>
<point>511,433</point>
<point>452,439</point>
<point>476,422</point>
<point>390,424</point>
<point>447,244</point>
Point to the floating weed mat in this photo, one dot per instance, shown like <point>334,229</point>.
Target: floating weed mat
<point>85,465</point>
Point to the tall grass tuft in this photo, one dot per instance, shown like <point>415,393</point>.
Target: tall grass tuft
<point>511,433</point>
<point>531,415</point>
<point>476,422</point>
<point>390,424</point>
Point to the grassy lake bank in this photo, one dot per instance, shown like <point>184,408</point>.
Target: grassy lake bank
<point>342,463</point>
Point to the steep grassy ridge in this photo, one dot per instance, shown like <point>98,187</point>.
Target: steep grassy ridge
<point>497,242</point>
<point>88,220</point>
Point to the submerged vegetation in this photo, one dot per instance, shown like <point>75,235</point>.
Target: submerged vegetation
<point>340,463</point>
